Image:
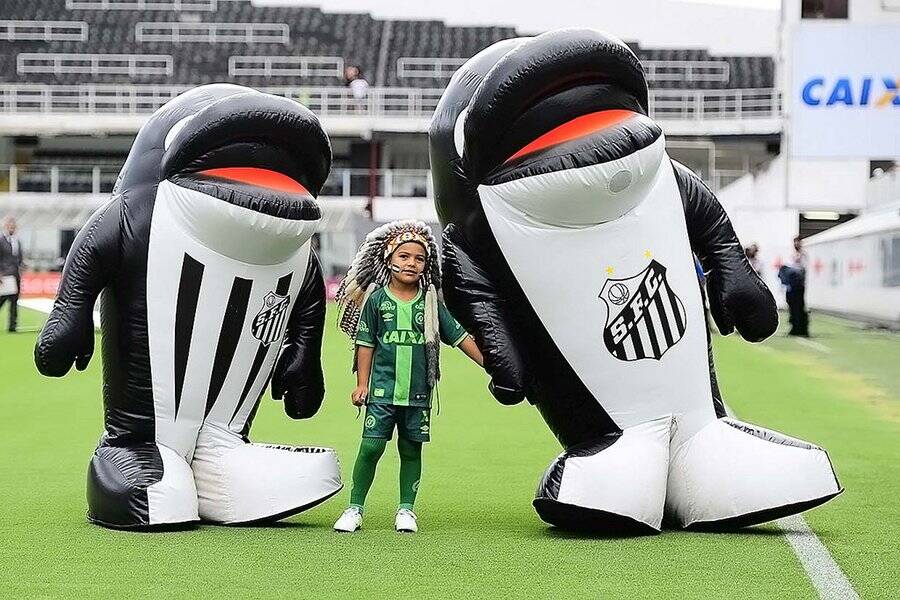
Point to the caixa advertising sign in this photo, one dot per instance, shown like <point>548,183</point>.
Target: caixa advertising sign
<point>845,91</point>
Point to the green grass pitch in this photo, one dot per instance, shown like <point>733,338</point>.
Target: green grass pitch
<point>480,536</point>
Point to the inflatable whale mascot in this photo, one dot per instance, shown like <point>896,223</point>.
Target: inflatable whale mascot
<point>568,251</point>
<point>203,257</point>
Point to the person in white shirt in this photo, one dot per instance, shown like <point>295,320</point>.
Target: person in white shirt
<point>10,266</point>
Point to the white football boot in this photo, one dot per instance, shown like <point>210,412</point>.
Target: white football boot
<point>349,521</point>
<point>406,521</point>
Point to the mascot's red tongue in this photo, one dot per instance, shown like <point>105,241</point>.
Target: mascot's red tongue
<point>264,178</point>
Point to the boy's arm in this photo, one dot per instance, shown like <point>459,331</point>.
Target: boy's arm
<point>363,370</point>
<point>470,349</point>
<point>298,373</point>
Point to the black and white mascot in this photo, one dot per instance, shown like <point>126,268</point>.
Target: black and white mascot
<point>569,253</point>
<point>210,290</point>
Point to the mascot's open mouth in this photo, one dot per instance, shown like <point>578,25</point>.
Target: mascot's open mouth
<point>260,152</point>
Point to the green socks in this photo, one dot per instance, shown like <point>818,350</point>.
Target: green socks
<point>410,471</point>
<point>370,451</point>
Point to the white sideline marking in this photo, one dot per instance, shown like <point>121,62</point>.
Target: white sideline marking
<point>814,345</point>
<point>825,574</point>
<point>45,305</point>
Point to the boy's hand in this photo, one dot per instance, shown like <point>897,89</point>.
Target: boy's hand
<point>358,397</point>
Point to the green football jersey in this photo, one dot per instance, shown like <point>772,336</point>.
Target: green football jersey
<point>395,329</point>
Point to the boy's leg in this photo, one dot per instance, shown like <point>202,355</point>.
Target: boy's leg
<point>413,429</point>
<point>377,428</point>
<point>410,470</point>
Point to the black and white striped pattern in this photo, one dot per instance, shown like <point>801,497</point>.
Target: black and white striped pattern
<point>649,321</point>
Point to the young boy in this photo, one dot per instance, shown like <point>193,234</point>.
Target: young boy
<point>389,306</point>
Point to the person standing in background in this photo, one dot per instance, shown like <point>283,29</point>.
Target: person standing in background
<point>793,277</point>
<point>10,270</point>
<point>752,253</point>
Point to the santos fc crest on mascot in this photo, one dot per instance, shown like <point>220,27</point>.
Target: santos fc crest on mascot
<point>645,317</point>
<point>268,324</point>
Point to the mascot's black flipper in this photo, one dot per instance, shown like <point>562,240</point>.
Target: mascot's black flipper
<point>68,334</point>
<point>738,298</point>
<point>298,378</point>
<point>478,305</point>
<point>596,230</point>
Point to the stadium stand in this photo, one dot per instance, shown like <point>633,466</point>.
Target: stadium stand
<point>208,39</point>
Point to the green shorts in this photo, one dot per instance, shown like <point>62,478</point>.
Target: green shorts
<point>413,422</point>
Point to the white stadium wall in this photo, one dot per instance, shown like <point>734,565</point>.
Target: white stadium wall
<point>854,268</point>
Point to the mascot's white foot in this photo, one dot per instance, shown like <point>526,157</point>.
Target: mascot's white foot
<point>141,486</point>
<point>243,483</point>
<point>616,484</point>
<point>732,474</point>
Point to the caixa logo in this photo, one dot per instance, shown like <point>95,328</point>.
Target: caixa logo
<point>864,91</point>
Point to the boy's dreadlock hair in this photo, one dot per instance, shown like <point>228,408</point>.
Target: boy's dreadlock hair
<point>370,270</point>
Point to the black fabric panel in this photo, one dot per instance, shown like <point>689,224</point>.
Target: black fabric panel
<point>762,516</point>
<point>738,298</point>
<point>117,484</point>
<point>480,309</point>
<point>185,313</point>
<point>718,401</point>
<point>229,336</point>
<point>550,482</point>
<point>454,196</point>
<point>569,517</point>
<point>271,121</point>
<point>284,205</point>
<point>542,67</point>
<point>562,107</point>
<point>298,377</point>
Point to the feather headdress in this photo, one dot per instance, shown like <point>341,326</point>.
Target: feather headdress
<point>370,270</point>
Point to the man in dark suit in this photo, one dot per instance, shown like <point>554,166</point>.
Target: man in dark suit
<point>10,265</point>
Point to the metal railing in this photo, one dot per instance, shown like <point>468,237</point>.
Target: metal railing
<point>212,33</point>
<point>433,68</point>
<point>342,182</point>
<point>43,31</point>
<point>94,64</point>
<point>715,104</point>
<point>660,71</point>
<point>691,105</point>
<point>286,66</point>
<point>100,179</point>
<point>173,5</point>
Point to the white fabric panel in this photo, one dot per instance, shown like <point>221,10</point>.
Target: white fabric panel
<point>227,228</point>
<point>585,196</point>
<point>627,478</point>
<point>239,482</point>
<point>563,271</point>
<point>246,351</point>
<point>171,238</point>
<point>173,499</point>
<point>724,472</point>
